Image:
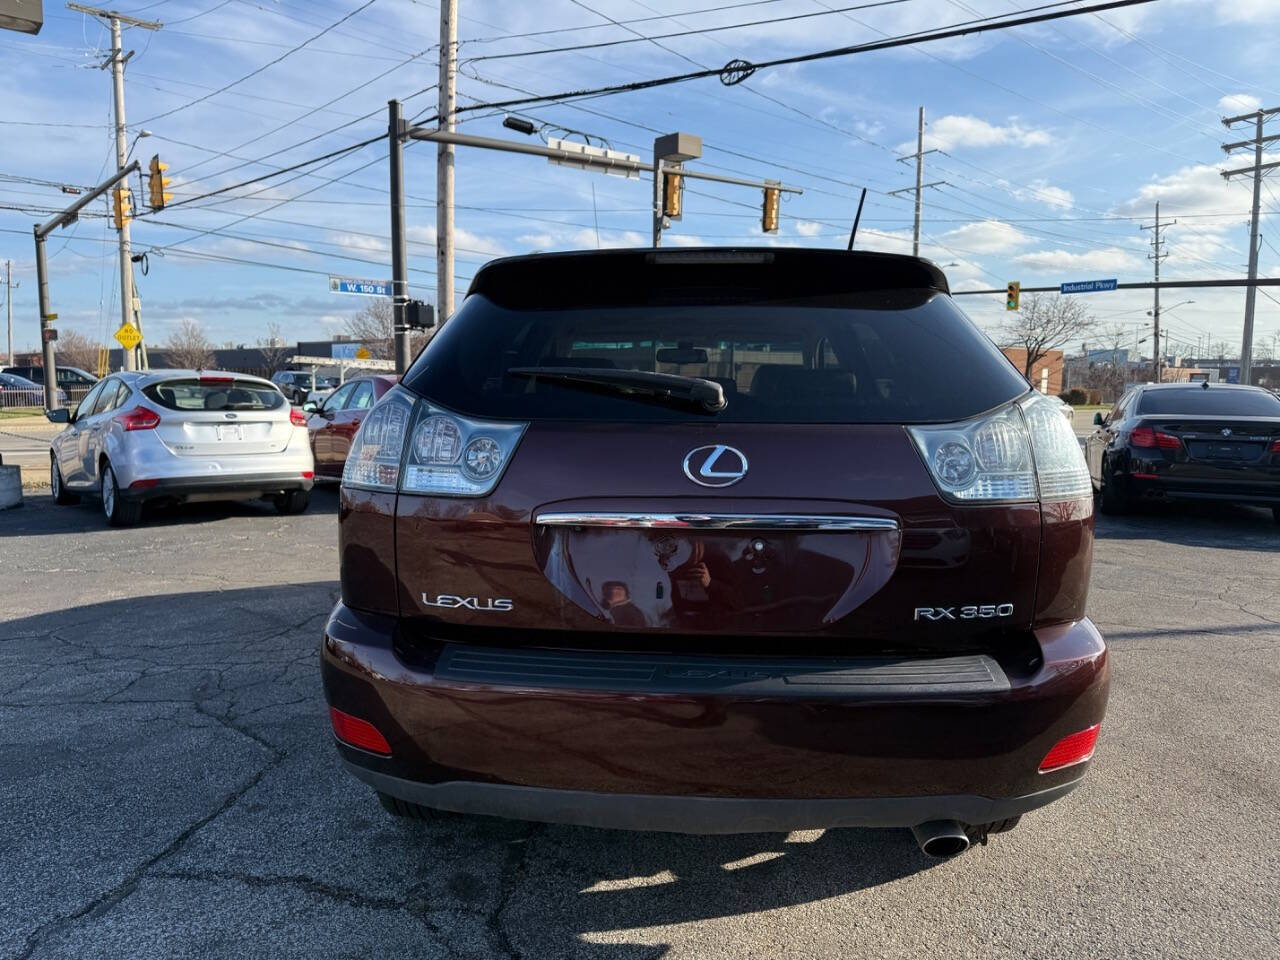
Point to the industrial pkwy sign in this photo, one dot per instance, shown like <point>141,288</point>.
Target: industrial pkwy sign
<point>367,288</point>
<point>1088,286</point>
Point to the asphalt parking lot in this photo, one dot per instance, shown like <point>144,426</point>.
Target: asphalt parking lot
<point>170,788</point>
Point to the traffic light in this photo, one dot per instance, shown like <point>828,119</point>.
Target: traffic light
<point>769,217</point>
<point>672,195</point>
<point>419,315</point>
<point>1011,299</point>
<point>157,182</point>
<point>121,206</point>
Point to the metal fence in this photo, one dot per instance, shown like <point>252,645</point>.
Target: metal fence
<point>12,398</point>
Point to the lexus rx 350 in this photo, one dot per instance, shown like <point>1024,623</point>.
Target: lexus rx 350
<point>716,541</point>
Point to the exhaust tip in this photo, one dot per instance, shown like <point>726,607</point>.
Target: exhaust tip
<point>942,839</point>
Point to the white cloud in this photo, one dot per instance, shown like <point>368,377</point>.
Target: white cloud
<point>1111,260</point>
<point>956,130</point>
<point>808,228</point>
<point>988,236</point>
<point>1041,191</point>
<point>536,241</point>
<point>1237,103</point>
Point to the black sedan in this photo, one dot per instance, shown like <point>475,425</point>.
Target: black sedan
<point>1178,441</point>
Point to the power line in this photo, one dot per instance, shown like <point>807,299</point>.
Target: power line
<point>265,66</point>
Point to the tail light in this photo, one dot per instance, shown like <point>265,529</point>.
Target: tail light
<point>358,733</point>
<point>1070,750</point>
<point>1275,446</point>
<point>297,418</point>
<point>416,447</point>
<point>139,418</point>
<point>1150,438</point>
<point>1021,451</point>
<point>217,379</point>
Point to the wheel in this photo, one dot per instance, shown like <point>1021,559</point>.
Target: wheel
<point>294,501</point>
<point>61,494</point>
<point>1112,500</point>
<point>403,808</point>
<point>978,832</point>
<point>119,512</point>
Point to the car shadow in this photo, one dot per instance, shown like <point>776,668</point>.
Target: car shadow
<point>40,515</point>
<point>1226,526</point>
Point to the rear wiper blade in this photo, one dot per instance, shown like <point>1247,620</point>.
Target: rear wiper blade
<point>706,394</point>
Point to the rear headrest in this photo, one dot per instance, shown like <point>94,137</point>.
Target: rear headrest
<point>215,400</point>
<point>785,383</point>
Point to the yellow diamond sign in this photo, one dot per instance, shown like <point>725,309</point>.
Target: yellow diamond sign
<point>363,354</point>
<point>128,336</point>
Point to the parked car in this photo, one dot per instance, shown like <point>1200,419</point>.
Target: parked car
<point>324,387</point>
<point>16,391</point>
<point>1177,441</point>
<point>1066,410</point>
<point>333,421</point>
<point>716,541</point>
<point>179,435</point>
<point>295,384</point>
<point>73,381</point>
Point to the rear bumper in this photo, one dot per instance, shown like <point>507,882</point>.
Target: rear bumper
<point>703,744</point>
<point>1247,485</point>
<point>235,485</point>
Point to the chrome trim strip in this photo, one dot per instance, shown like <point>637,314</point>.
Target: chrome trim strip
<point>719,521</point>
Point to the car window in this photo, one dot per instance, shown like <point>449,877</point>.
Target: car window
<point>884,356</point>
<point>122,396</point>
<point>214,394</point>
<point>86,405</point>
<point>338,398</point>
<point>1211,402</point>
<point>362,399</point>
<point>106,397</point>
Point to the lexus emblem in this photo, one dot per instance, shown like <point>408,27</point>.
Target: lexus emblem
<point>715,465</point>
<point>1226,431</point>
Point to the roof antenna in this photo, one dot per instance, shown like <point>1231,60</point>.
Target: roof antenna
<point>856,217</point>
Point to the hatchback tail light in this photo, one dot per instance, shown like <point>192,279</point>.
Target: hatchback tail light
<point>1019,452</point>
<point>1150,438</point>
<point>358,733</point>
<point>420,448</point>
<point>297,418</point>
<point>1070,750</point>
<point>1275,446</point>
<point>139,418</point>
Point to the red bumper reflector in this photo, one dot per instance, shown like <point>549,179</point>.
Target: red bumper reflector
<point>358,733</point>
<point>143,484</point>
<point>1072,749</point>
<point>308,474</point>
<point>1146,476</point>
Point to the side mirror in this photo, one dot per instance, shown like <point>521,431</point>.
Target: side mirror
<point>61,415</point>
<point>310,407</point>
<point>1097,419</point>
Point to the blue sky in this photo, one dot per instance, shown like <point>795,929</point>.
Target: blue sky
<point>1056,141</point>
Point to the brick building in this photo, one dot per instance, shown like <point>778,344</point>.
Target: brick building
<point>1047,375</point>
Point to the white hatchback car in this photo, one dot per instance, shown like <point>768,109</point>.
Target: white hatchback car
<point>181,435</point>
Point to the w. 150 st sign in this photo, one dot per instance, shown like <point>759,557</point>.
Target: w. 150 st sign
<point>368,288</point>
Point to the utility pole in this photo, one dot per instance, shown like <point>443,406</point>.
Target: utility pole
<point>920,186</point>
<point>399,264</point>
<point>116,61</point>
<point>1157,242</point>
<point>1251,292</point>
<point>444,159</point>
<point>8,299</point>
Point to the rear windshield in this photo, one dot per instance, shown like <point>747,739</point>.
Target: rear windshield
<point>1211,402</point>
<point>898,356</point>
<point>214,395</point>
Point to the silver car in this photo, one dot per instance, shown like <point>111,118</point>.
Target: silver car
<point>181,435</point>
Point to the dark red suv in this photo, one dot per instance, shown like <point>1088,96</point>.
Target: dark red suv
<point>716,541</point>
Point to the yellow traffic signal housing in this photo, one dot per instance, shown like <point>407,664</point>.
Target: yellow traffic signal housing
<point>672,195</point>
<point>769,217</point>
<point>1015,291</point>
<point>157,182</point>
<point>121,206</point>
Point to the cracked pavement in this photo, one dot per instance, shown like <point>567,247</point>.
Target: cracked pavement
<point>170,788</point>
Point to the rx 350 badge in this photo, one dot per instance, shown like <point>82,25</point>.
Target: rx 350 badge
<point>986,611</point>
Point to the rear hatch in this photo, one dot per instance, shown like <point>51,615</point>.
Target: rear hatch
<point>560,508</point>
<point>220,416</point>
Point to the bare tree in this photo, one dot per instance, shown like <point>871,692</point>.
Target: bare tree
<point>188,347</point>
<point>374,329</point>
<point>1220,349</point>
<point>275,352</point>
<point>77,350</point>
<point>1045,323</point>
